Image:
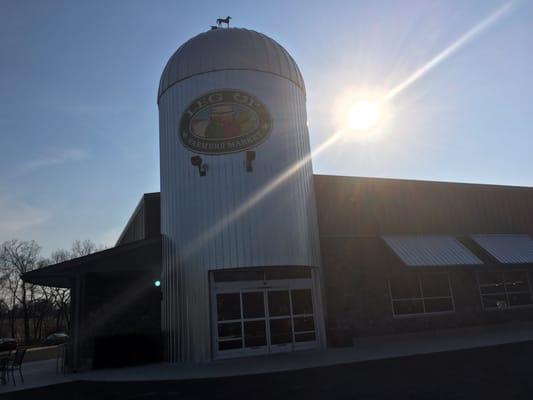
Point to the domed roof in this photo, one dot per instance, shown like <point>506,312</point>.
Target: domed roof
<point>229,49</point>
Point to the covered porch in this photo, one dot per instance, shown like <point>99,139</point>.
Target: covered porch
<point>115,305</point>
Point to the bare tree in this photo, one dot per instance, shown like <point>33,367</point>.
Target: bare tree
<point>4,313</point>
<point>59,256</point>
<point>60,297</point>
<point>10,286</point>
<point>36,305</point>
<point>16,258</point>
<point>83,248</point>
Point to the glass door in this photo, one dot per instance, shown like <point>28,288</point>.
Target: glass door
<point>241,322</point>
<point>279,319</point>
<point>303,318</point>
<point>254,322</point>
<point>258,321</point>
<point>229,322</point>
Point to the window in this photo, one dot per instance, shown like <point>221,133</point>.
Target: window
<point>501,290</point>
<point>425,293</point>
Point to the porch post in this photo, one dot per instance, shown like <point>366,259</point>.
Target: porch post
<point>75,318</point>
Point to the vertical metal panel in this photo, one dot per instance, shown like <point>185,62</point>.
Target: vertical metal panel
<point>144,222</point>
<point>280,229</point>
<point>135,229</point>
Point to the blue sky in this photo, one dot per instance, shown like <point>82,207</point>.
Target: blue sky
<point>78,83</point>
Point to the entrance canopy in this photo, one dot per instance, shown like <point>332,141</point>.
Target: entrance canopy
<point>133,256</point>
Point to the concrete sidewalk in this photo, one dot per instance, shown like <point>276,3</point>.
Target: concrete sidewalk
<point>42,373</point>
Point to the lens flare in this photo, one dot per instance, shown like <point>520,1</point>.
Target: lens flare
<point>448,51</point>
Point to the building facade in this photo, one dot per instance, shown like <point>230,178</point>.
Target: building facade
<point>405,256</point>
<point>253,254</point>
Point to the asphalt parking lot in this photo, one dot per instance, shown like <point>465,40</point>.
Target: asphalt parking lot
<point>497,372</point>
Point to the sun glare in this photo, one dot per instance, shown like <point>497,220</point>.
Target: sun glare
<point>361,113</point>
<point>364,115</point>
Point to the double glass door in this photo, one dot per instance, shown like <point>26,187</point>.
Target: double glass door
<point>256,321</point>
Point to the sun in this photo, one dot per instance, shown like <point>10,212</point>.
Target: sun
<point>364,115</point>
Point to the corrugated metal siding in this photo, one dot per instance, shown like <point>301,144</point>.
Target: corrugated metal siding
<point>135,229</point>
<point>229,49</point>
<point>507,248</point>
<point>280,230</point>
<point>145,222</point>
<point>431,250</point>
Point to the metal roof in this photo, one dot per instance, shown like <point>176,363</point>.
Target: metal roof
<point>140,255</point>
<point>507,248</point>
<point>430,250</point>
<point>229,49</point>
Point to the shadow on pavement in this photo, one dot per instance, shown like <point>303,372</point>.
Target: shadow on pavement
<point>497,372</point>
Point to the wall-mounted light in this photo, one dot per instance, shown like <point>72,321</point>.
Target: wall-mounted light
<point>250,156</point>
<point>197,162</point>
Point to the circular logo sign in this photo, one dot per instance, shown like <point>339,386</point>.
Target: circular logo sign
<point>224,121</point>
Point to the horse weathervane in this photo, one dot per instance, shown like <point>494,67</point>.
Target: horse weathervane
<point>221,21</point>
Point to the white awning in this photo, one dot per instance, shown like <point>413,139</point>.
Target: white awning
<point>507,249</point>
<point>431,250</point>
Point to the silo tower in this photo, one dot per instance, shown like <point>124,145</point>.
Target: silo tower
<point>241,262</point>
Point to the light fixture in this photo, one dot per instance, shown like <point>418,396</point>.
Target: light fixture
<point>198,162</point>
<point>250,156</point>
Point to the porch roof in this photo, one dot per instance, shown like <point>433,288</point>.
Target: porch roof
<point>134,256</point>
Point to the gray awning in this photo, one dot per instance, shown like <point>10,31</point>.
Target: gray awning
<point>430,250</point>
<point>506,248</point>
<point>140,255</point>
